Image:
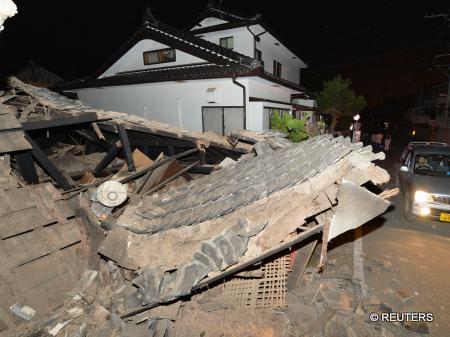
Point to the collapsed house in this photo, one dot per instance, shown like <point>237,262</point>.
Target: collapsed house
<point>155,219</point>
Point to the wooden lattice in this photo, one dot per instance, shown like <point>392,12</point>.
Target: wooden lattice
<point>266,292</point>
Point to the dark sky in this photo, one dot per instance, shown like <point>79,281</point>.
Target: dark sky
<point>384,46</point>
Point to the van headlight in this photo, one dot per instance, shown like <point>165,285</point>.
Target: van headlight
<point>421,196</point>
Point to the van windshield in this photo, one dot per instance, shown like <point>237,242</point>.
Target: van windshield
<point>432,164</point>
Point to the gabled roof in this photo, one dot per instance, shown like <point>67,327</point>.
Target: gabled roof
<point>221,62</point>
<point>234,20</point>
<point>151,28</point>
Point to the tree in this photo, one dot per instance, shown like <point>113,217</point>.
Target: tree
<point>294,128</point>
<point>337,99</point>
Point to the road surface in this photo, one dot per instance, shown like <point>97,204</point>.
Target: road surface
<point>407,264</point>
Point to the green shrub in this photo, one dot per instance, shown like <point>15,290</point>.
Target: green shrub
<point>294,128</point>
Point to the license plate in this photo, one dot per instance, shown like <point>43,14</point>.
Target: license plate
<point>445,217</point>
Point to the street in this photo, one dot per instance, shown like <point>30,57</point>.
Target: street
<point>407,264</point>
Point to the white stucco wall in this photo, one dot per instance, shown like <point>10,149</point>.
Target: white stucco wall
<point>179,104</point>
<point>242,39</point>
<point>291,64</point>
<point>134,60</point>
<point>244,44</point>
<point>261,88</point>
<point>255,116</point>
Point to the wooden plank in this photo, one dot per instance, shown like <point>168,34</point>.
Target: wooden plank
<point>22,221</point>
<point>35,244</point>
<point>8,122</point>
<point>54,291</point>
<point>303,256</point>
<point>43,270</point>
<point>18,199</point>
<point>13,141</point>
<point>50,193</point>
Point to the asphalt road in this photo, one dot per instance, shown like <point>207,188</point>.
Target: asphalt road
<point>413,258</point>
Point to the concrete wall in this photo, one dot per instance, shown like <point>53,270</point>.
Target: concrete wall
<point>134,60</point>
<point>179,104</point>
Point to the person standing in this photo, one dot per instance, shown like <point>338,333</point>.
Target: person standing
<point>387,142</point>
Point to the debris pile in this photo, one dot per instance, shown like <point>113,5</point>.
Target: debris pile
<point>174,234</point>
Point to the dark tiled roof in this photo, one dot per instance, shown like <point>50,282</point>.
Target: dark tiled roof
<point>213,9</point>
<point>177,73</point>
<point>221,62</point>
<point>178,39</point>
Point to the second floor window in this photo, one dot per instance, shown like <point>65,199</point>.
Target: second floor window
<point>276,68</point>
<point>227,42</point>
<point>159,56</point>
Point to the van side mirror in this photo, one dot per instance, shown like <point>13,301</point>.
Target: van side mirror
<point>404,168</point>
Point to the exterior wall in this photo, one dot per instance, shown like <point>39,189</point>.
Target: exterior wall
<point>244,43</point>
<point>242,39</point>
<point>134,60</point>
<point>255,116</point>
<point>178,104</point>
<point>270,52</point>
<point>260,88</point>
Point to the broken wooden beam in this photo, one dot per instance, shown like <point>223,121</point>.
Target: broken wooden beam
<point>47,165</point>
<point>172,178</point>
<point>107,159</point>
<point>26,166</point>
<point>130,176</point>
<point>127,153</point>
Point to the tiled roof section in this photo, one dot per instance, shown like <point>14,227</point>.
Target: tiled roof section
<point>177,73</point>
<point>214,9</point>
<point>196,46</point>
<point>182,40</point>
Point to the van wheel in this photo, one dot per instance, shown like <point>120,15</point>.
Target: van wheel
<point>408,213</point>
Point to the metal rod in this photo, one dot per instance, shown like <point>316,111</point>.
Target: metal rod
<point>301,237</point>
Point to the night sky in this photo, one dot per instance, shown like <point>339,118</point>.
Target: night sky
<point>384,46</point>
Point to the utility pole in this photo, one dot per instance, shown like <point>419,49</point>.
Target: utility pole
<point>445,67</point>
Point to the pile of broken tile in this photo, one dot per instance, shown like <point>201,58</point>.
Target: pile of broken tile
<point>172,244</point>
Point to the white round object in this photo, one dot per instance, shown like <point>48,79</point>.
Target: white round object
<point>112,193</point>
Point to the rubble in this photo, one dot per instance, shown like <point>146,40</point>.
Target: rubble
<point>185,243</point>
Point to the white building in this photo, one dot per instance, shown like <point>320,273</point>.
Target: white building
<point>224,72</point>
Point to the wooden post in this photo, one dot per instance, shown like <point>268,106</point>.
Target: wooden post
<point>126,147</point>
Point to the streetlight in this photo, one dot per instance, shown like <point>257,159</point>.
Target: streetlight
<point>356,127</point>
